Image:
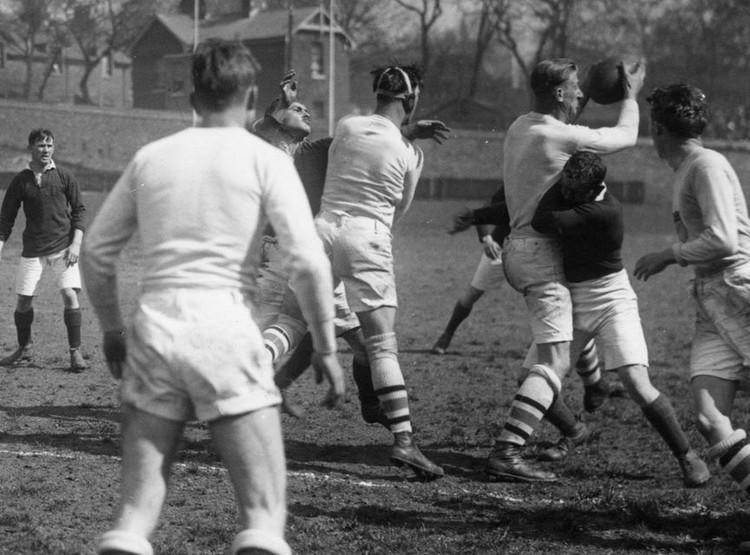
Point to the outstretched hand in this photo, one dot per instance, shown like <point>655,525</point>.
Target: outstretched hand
<point>327,365</point>
<point>653,263</point>
<point>427,129</point>
<point>632,76</point>
<point>462,221</point>
<point>288,88</point>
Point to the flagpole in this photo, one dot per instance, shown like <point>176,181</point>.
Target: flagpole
<point>196,14</point>
<point>331,72</point>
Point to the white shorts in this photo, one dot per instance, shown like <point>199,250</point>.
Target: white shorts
<point>606,309</point>
<point>273,286</point>
<point>533,267</point>
<point>196,353</point>
<point>360,252</point>
<point>489,274</point>
<point>30,271</point>
<point>721,344</point>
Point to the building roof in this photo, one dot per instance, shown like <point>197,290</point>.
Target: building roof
<point>261,25</point>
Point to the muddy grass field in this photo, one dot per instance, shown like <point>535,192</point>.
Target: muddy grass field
<point>620,493</point>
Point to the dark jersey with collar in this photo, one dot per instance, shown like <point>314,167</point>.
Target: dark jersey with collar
<point>53,209</point>
<point>591,233</point>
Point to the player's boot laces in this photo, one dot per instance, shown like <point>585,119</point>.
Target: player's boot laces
<point>406,452</point>
<point>695,472</point>
<point>506,463</point>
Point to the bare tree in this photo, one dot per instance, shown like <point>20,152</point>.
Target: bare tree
<point>57,41</point>
<point>102,28</point>
<point>22,29</point>
<point>428,11</point>
<point>485,33</point>
<point>543,24</point>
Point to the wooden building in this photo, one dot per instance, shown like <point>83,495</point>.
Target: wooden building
<point>278,40</point>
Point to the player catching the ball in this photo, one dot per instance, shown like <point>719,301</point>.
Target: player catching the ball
<point>537,145</point>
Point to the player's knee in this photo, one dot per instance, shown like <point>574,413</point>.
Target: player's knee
<point>549,375</point>
<point>381,346</point>
<point>638,384</point>
<point>69,297</point>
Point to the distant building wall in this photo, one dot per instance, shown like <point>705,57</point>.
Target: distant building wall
<point>468,165</point>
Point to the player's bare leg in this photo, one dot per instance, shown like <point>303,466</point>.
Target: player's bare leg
<point>149,443</point>
<point>23,317</point>
<point>713,399</point>
<point>388,381</point>
<point>532,401</point>
<point>461,311</point>
<point>251,447</point>
<point>661,415</point>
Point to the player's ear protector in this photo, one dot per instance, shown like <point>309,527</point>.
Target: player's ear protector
<point>408,94</point>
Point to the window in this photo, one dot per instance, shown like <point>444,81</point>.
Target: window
<point>3,57</point>
<point>316,64</point>
<point>107,66</point>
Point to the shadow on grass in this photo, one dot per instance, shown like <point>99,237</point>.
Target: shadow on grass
<point>606,530</point>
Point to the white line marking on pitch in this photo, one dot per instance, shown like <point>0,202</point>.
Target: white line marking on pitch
<point>203,467</point>
<point>697,509</point>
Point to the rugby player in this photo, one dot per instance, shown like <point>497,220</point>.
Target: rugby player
<point>199,200</point>
<point>713,231</point>
<point>286,124</point>
<point>537,145</point>
<point>588,220</point>
<point>55,223</point>
<point>372,174</point>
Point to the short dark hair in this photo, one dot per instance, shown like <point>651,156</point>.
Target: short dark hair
<point>222,71</point>
<point>549,74</point>
<point>585,169</point>
<point>40,134</point>
<point>682,109</point>
<point>389,83</point>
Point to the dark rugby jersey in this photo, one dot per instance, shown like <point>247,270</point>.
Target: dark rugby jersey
<point>494,214</point>
<point>311,161</point>
<point>591,233</point>
<point>53,210</point>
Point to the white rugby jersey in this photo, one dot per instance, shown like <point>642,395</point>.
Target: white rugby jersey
<point>199,200</point>
<point>708,197</point>
<point>536,148</point>
<point>368,163</point>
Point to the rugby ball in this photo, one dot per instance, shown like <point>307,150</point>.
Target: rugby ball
<point>603,84</point>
